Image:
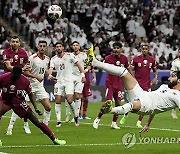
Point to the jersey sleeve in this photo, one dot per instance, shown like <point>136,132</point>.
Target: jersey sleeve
<point>127,65</point>
<point>5,56</point>
<point>30,61</point>
<point>154,65</point>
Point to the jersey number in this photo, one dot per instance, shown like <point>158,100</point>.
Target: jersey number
<point>41,71</point>
<point>61,67</point>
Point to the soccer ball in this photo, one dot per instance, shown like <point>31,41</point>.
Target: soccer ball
<point>54,12</point>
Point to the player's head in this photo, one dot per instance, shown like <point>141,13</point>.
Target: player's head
<point>14,43</point>
<point>59,47</point>
<point>117,48</point>
<point>16,73</point>
<point>42,47</point>
<point>76,46</point>
<point>174,79</point>
<point>145,49</point>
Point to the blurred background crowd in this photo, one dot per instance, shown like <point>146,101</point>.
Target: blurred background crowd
<point>100,22</point>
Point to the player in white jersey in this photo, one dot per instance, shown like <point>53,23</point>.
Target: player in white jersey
<point>144,103</point>
<point>63,63</point>
<point>39,64</point>
<point>78,85</point>
<point>175,67</point>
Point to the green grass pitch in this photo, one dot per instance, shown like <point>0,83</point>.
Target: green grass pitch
<point>85,139</point>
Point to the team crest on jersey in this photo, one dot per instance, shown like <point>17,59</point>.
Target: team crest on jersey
<point>4,90</point>
<point>16,57</point>
<point>118,63</point>
<point>12,87</point>
<point>145,62</point>
<point>139,64</point>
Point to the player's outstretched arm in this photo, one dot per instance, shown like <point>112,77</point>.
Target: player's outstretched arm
<point>147,125</point>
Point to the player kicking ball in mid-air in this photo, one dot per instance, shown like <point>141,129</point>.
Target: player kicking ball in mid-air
<point>165,98</point>
<point>14,87</point>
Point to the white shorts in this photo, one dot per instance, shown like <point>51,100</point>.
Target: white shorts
<point>146,102</point>
<point>40,93</point>
<point>78,85</point>
<point>63,89</point>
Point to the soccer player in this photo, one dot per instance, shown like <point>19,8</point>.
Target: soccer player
<point>142,66</point>
<point>77,77</point>
<point>175,67</point>
<point>165,98</point>
<point>63,63</point>
<point>15,56</point>
<point>14,87</point>
<point>39,64</point>
<point>113,83</point>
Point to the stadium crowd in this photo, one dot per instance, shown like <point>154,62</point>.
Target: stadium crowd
<point>100,22</point>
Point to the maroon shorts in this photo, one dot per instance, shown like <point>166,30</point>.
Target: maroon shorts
<point>21,108</point>
<point>113,93</point>
<point>86,90</point>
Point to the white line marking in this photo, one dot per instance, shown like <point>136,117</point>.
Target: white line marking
<point>77,145</point>
<point>86,123</point>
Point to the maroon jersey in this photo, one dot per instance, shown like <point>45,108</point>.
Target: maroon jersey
<point>19,58</point>
<point>142,67</point>
<point>115,81</point>
<point>14,92</point>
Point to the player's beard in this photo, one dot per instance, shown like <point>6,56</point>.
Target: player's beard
<point>171,85</point>
<point>14,48</point>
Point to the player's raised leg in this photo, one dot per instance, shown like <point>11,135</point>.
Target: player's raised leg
<point>129,81</point>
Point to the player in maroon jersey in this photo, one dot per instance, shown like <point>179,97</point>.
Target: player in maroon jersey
<point>14,87</point>
<point>15,56</point>
<point>113,82</point>
<point>142,65</point>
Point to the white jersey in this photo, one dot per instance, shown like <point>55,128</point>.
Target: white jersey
<point>63,66</point>
<point>157,101</point>
<point>176,65</point>
<point>38,67</point>
<point>81,60</point>
<point>164,98</point>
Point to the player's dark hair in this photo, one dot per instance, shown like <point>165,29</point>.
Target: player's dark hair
<point>117,44</point>
<point>59,42</point>
<point>42,41</point>
<point>14,37</point>
<point>75,42</point>
<point>16,72</point>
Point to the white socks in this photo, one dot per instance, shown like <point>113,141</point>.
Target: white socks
<point>74,109</point>
<point>47,115</point>
<point>68,112</point>
<point>14,116</point>
<point>111,69</point>
<point>58,112</point>
<point>78,105</point>
<point>122,109</point>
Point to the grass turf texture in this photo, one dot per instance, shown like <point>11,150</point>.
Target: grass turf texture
<point>85,139</point>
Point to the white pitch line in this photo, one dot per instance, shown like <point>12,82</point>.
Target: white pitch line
<point>163,129</point>
<point>78,145</point>
<point>160,129</point>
